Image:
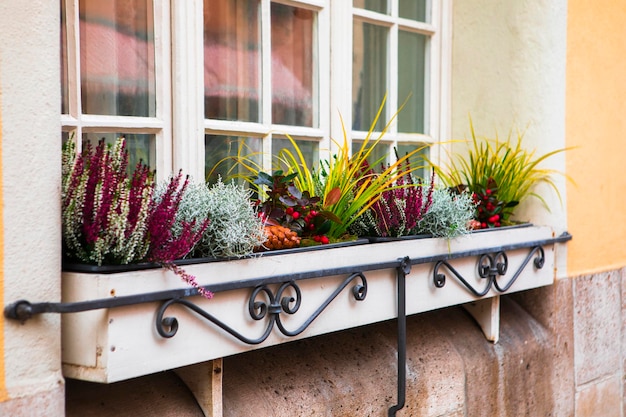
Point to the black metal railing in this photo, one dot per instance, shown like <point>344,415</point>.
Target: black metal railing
<point>266,303</point>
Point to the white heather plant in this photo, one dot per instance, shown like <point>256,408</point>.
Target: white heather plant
<point>449,214</point>
<point>234,228</point>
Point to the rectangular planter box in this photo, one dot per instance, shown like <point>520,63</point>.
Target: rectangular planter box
<point>114,344</point>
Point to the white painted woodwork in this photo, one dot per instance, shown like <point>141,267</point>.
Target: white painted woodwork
<point>204,380</point>
<point>486,312</point>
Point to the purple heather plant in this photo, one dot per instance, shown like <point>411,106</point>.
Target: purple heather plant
<point>110,219</point>
<point>399,210</point>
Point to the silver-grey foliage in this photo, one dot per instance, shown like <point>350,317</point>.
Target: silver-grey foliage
<point>234,228</point>
<point>448,215</point>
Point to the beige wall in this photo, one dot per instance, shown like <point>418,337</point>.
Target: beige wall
<point>508,71</point>
<point>596,124</point>
<point>30,232</point>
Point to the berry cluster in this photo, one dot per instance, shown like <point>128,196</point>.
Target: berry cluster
<point>490,210</point>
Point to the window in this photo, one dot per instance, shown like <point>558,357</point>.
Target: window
<point>190,83</point>
<point>115,73</point>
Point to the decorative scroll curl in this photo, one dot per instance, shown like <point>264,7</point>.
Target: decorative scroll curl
<point>490,267</point>
<point>263,303</point>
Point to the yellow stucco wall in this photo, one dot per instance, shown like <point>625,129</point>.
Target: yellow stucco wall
<point>596,123</point>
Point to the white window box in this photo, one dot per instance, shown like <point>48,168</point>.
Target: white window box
<point>113,344</point>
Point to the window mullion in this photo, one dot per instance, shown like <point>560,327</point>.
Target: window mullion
<point>341,22</point>
<point>188,86</point>
<point>163,76</point>
<point>266,81</point>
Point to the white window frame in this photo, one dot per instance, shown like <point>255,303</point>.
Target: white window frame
<point>437,117</point>
<point>77,123</point>
<point>179,126</point>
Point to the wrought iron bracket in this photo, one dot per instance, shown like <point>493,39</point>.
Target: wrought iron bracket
<point>273,306</point>
<point>489,267</point>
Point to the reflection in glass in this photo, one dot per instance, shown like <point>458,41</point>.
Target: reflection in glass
<point>379,6</point>
<point>378,158</point>
<point>309,149</point>
<point>219,156</point>
<point>64,63</point>
<point>292,65</point>
<point>140,146</point>
<point>417,159</point>
<point>232,60</point>
<point>414,10</point>
<point>369,74</point>
<point>117,57</point>
<point>411,80</point>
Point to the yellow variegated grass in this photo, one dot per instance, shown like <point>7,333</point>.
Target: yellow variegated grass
<point>514,169</point>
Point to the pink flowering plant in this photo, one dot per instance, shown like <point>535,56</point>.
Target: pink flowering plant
<point>112,218</point>
<point>399,210</point>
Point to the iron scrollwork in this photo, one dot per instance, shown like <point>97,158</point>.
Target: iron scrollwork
<point>271,305</point>
<point>490,267</point>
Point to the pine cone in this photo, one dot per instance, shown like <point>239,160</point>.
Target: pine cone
<point>279,237</point>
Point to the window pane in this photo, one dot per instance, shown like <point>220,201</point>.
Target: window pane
<point>219,156</point>
<point>232,60</point>
<point>413,9</point>
<point>369,74</point>
<point>309,149</point>
<point>379,6</point>
<point>417,159</point>
<point>411,80</point>
<point>117,57</point>
<point>292,65</point>
<point>378,158</point>
<point>64,85</point>
<point>140,146</point>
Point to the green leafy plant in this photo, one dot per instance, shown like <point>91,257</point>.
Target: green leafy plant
<point>345,183</point>
<point>500,174</point>
<point>287,206</point>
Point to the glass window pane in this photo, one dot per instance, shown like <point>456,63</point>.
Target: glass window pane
<point>415,160</point>
<point>117,57</point>
<point>64,82</point>
<point>221,152</point>
<point>232,60</point>
<point>378,158</point>
<point>369,74</point>
<point>309,149</point>
<point>292,65</point>
<point>414,10</point>
<point>379,6</point>
<point>140,146</point>
<point>411,80</point>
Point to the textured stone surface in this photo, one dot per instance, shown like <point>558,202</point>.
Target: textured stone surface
<point>552,306</point>
<point>48,403</point>
<point>597,326</point>
<point>451,371</point>
<point>162,394</point>
<point>600,399</point>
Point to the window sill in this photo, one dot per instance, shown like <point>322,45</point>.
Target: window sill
<point>113,344</point>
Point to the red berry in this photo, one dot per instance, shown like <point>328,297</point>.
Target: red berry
<point>296,215</point>
<point>324,240</point>
<point>311,226</point>
<point>317,238</point>
<point>488,191</point>
<point>289,210</point>
<point>313,213</point>
<point>483,225</point>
